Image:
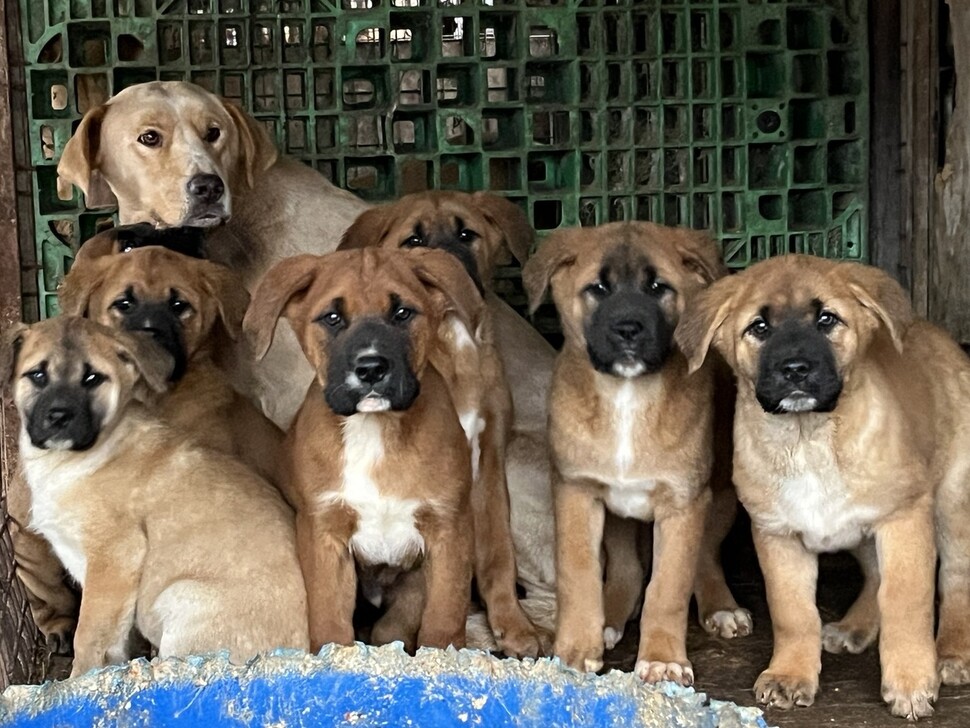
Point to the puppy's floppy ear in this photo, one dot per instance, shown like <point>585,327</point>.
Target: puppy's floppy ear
<point>10,343</point>
<point>229,294</point>
<point>257,151</point>
<point>701,323</point>
<point>370,228</point>
<point>445,274</point>
<point>79,161</point>
<point>883,296</point>
<point>152,362</point>
<point>78,287</point>
<point>510,219</point>
<point>102,244</point>
<point>558,250</point>
<point>700,254</point>
<point>284,282</point>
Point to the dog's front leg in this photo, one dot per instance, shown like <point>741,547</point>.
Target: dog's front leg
<point>907,561</point>
<point>330,576</point>
<point>791,573</point>
<point>449,543</point>
<point>953,535</point>
<point>579,581</point>
<point>663,626</point>
<point>108,605</point>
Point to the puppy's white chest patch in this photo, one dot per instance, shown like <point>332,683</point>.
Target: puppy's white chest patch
<point>813,503</point>
<point>386,531</point>
<point>624,420</point>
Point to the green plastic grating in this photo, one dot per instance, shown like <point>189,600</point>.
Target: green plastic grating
<point>749,119</point>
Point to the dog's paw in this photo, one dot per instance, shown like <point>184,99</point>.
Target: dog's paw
<point>584,657</point>
<point>729,623</point>
<point>909,687</point>
<point>520,643</point>
<point>910,704</point>
<point>59,637</point>
<point>953,670</point>
<point>652,671</point>
<point>785,691</point>
<point>612,637</point>
<point>840,637</point>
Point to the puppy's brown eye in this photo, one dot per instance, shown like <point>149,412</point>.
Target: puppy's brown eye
<point>827,320</point>
<point>150,138</point>
<point>658,287</point>
<point>415,241</point>
<point>467,236</point>
<point>213,134</point>
<point>402,314</point>
<point>180,307</point>
<point>38,377</point>
<point>122,304</point>
<point>597,290</point>
<point>759,329</point>
<point>93,379</point>
<point>331,319</point>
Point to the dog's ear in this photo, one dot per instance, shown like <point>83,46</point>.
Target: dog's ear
<point>703,319</point>
<point>152,362</point>
<point>229,293</point>
<point>102,244</point>
<point>700,255</point>
<point>511,220</point>
<point>883,296</point>
<point>79,161</point>
<point>10,342</point>
<point>84,279</point>
<point>257,151</point>
<point>454,288</point>
<point>369,229</point>
<point>283,283</point>
<point>558,250</point>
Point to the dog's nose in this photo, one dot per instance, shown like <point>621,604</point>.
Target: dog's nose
<point>627,330</point>
<point>795,370</point>
<point>58,418</point>
<point>206,188</point>
<point>371,369</point>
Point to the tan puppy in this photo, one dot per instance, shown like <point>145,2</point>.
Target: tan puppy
<point>161,534</point>
<point>630,431</point>
<point>480,230</point>
<point>172,154</point>
<point>379,461</point>
<point>849,417</point>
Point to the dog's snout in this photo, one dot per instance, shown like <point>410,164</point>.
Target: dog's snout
<point>795,370</point>
<point>57,418</point>
<point>371,369</point>
<point>206,188</point>
<point>627,330</point>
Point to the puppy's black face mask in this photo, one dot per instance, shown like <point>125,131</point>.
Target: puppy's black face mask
<point>455,238</point>
<point>369,367</point>
<point>62,415</point>
<point>162,320</point>
<point>628,332</point>
<point>796,367</point>
<point>188,241</point>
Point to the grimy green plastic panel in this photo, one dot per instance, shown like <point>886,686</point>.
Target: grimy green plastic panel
<point>749,119</point>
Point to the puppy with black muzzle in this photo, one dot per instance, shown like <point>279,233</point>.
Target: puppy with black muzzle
<point>632,433</point>
<point>163,536</point>
<point>378,460</point>
<point>852,420</point>
<point>481,230</point>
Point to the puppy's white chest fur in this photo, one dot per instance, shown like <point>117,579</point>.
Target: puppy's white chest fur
<point>386,531</point>
<point>813,502</point>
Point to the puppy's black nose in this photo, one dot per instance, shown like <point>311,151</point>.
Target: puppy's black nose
<point>795,370</point>
<point>371,369</point>
<point>58,418</point>
<point>627,330</point>
<point>206,188</point>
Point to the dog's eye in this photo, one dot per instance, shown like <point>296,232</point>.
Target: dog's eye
<point>122,304</point>
<point>827,320</point>
<point>180,307</point>
<point>38,377</point>
<point>331,319</point>
<point>597,290</point>
<point>213,134</point>
<point>415,241</point>
<point>467,236</point>
<point>92,380</point>
<point>402,314</point>
<point>658,287</point>
<point>759,329</point>
<point>150,138</point>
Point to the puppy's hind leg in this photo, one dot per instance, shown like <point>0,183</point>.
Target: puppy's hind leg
<point>623,576</point>
<point>402,620</point>
<point>860,626</point>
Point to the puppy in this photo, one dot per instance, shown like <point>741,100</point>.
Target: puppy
<point>631,433</point>
<point>172,154</point>
<point>850,418</point>
<point>162,535</point>
<point>378,459</point>
<point>480,230</point>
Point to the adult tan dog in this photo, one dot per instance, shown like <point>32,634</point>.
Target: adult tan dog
<point>162,535</point>
<point>850,417</point>
<point>630,432</point>
<point>173,154</point>
<point>378,459</point>
<point>481,230</point>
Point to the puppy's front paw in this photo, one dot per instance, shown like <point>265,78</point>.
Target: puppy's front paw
<point>585,655</point>
<point>612,637</point>
<point>785,691</point>
<point>521,641</point>
<point>652,671</point>
<point>910,693</point>
<point>840,637</point>
<point>954,669</point>
<point>729,623</point>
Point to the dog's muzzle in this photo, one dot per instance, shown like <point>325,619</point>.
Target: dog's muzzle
<point>208,202</point>
<point>61,419</point>
<point>797,372</point>
<point>628,336</point>
<point>165,328</point>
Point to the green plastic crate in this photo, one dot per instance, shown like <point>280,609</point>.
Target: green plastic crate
<point>749,119</point>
